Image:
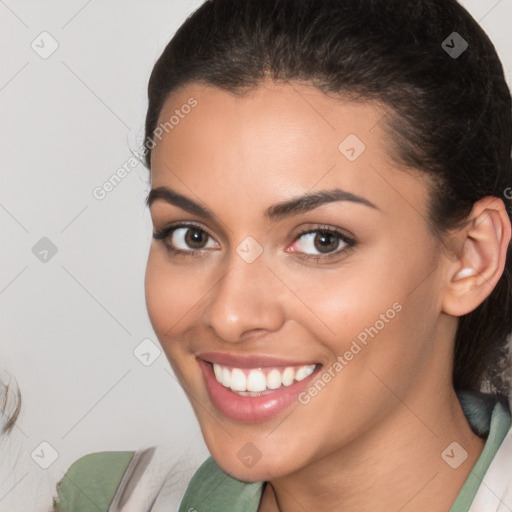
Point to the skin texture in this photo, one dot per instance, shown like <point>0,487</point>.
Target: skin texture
<point>372,438</point>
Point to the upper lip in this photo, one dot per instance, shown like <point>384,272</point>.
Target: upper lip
<point>249,360</point>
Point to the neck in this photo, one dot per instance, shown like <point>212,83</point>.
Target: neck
<point>395,466</point>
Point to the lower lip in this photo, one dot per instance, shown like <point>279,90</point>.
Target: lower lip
<point>247,408</point>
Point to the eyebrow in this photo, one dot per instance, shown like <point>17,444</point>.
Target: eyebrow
<point>275,212</point>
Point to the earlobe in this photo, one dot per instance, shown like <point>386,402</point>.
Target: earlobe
<point>475,272</point>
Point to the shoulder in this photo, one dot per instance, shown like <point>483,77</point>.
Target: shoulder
<point>495,490</point>
<point>129,481</point>
<point>91,482</point>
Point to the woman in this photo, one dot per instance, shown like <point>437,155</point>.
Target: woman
<point>330,275</point>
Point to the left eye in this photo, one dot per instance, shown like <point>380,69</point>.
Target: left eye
<point>324,241</point>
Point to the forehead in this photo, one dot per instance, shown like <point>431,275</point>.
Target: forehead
<point>283,119</point>
<point>280,140</point>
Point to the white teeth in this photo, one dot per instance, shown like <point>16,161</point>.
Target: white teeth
<point>256,381</point>
<point>226,377</point>
<point>273,379</point>
<point>218,372</point>
<point>238,380</point>
<point>288,376</point>
<point>304,371</point>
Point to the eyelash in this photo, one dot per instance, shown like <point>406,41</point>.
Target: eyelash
<point>164,233</point>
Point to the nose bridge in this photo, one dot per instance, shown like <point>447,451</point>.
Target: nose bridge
<point>243,299</point>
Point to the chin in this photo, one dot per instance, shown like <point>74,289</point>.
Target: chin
<point>239,465</point>
<point>259,473</point>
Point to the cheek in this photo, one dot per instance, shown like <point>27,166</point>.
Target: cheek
<point>169,296</point>
<point>370,298</point>
<point>338,303</point>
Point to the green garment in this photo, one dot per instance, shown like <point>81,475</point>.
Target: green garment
<point>500,425</point>
<point>91,482</point>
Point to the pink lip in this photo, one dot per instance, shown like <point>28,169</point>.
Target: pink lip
<point>249,361</point>
<point>249,409</point>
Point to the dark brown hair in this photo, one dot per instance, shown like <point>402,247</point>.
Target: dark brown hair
<point>10,405</point>
<point>450,114</point>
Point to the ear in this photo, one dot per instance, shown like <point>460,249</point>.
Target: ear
<point>478,265</point>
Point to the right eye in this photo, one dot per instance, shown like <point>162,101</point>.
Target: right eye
<point>185,239</point>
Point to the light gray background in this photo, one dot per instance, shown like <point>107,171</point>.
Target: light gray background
<point>69,325</point>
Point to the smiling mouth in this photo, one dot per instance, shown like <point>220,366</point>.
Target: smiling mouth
<point>256,388</point>
<point>255,382</point>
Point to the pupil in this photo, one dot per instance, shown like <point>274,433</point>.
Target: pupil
<point>195,238</point>
<point>328,241</point>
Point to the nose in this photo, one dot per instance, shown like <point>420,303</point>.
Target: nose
<point>246,298</point>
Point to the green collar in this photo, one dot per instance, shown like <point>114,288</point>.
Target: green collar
<point>211,490</point>
<point>499,425</point>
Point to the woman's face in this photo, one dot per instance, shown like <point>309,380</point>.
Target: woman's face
<point>360,309</point>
